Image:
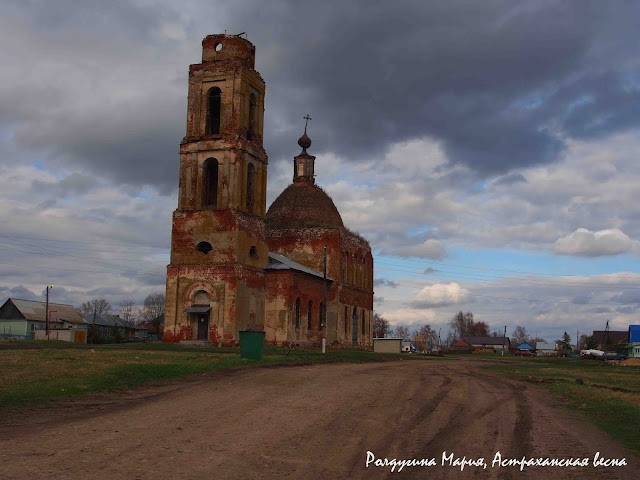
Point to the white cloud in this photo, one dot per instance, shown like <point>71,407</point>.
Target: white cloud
<point>586,243</point>
<point>440,295</point>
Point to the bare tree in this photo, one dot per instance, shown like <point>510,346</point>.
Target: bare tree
<point>462,325</point>
<point>430,335</point>
<point>401,332</point>
<point>381,327</point>
<point>95,306</point>
<point>520,335</point>
<point>153,306</point>
<point>127,312</point>
<point>152,310</point>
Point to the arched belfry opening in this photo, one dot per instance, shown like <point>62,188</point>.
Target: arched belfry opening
<point>251,128</point>
<point>251,175</point>
<point>214,103</point>
<point>210,187</point>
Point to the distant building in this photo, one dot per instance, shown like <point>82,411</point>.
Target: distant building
<point>21,318</point>
<point>111,328</point>
<point>610,340</point>
<point>387,345</point>
<point>461,345</point>
<point>525,346</point>
<point>496,343</point>
<point>549,349</point>
<point>633,341</point>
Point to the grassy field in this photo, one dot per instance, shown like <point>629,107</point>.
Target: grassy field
<point>607,395</point>
<point>35,372</point>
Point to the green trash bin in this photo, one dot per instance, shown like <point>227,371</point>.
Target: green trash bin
<point>251,343</point>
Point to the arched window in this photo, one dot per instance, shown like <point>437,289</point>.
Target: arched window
<point>253,252</point>
<point>251,174</point>
<point>355,269</point>
<point>346,319</point>
<point>321,316</point>
<point>251,130</point>
<point>210,192</point>
<point>309,310</point>
<point>213,111</point>
<point>297,313</point>
<point>346,267</point>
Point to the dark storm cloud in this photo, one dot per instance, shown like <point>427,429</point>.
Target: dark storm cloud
<point>510,179</point>
<point>18,292</point>
<point>478,76</point>
<point>498,83</point>
<point>581,299</point>
<point>628,297</point>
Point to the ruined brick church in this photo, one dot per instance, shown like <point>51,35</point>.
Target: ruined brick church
<point>236,265</point>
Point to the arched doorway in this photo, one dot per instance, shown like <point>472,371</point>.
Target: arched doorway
<point>199,313</point>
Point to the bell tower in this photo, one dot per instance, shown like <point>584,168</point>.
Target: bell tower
<point>215,279</point>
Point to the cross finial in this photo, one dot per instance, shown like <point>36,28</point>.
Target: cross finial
<point>307,118</point>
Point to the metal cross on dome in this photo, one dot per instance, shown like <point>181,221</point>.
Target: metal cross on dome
<point>307,118</point>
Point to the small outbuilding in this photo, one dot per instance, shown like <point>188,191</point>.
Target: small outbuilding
<point>525,346</point>
<point>387,345</point>
<point>548,349</point>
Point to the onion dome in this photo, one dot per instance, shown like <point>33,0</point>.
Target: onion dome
<point>304,141</point>
<point>303,204</point>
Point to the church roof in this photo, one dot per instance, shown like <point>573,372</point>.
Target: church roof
<point>303,204</point>
<point>280,262</point>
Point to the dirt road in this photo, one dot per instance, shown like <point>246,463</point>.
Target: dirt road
<point>317,422</point>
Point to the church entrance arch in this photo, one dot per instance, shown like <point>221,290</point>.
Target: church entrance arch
<point>199,313</point>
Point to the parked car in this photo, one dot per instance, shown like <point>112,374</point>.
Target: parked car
<point>612,356</point>
<point>525,353</point>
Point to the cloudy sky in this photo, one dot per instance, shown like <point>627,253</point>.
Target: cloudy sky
<point>488,150</point>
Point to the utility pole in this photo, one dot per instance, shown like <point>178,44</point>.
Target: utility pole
<point>46,311</point>
<point>578,340</point>
<point>504,340</point>
<point>324,303</point>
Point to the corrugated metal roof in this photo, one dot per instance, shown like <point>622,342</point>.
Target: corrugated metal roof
<point>280,262</point>
<point>105,320</point>
<point>34,310</point>
<point>610,337</point>
<point>545,346</point>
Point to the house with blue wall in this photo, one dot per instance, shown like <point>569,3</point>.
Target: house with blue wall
<point>633,345</point>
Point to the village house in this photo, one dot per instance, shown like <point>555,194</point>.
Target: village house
<point>105,328</point>
<point>497,344</point>
<point>610,340</point>
<point>633,341</point>
<point>236,265</point>
<point>23,318</point>
<point>549,349</point>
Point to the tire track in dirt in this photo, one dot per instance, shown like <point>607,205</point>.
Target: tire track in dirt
<point>317,422</point>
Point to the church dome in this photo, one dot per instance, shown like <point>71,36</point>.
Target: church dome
<point>303,204</point>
